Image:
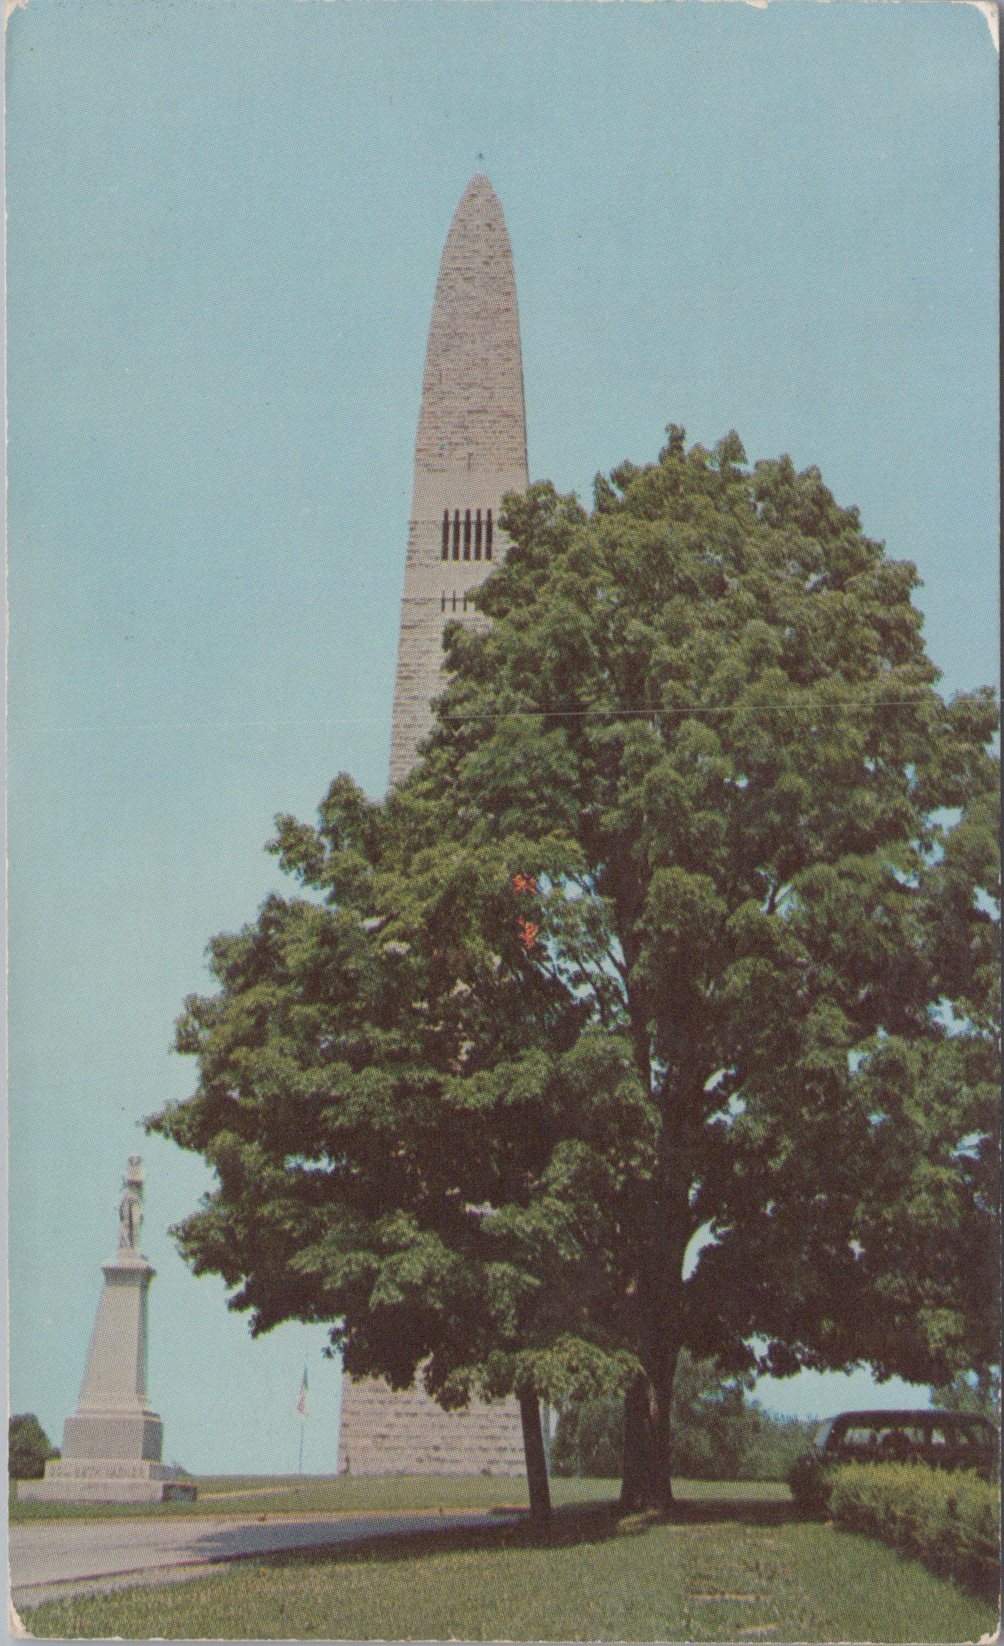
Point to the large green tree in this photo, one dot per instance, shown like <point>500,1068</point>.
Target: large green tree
<point>395,1116</point>
<point>656,1009</point>
<point>979,1394</point>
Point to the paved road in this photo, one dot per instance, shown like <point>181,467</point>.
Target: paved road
<point>54,1558</point>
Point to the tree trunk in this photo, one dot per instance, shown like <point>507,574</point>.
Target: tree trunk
<point>536,1461</point>
<point>647,1481</point>
<point>662,1457</point>
<point>636,1472</point>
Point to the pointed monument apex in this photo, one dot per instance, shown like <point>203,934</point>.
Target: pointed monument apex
<point>478,198</point>
<point>470,450</point>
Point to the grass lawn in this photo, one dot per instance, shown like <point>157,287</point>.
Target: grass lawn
<point>341,1494</point>
<point>731,1568</point>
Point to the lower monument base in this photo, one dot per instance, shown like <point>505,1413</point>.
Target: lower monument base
<point>106,1480</point>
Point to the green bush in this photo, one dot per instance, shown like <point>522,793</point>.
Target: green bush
<point>27,1447</point>
<point>776,1444</point>
<point>590,1438</point>
<point>810,1483</point>
<point>718,1433</point>
<point>948,1520</point>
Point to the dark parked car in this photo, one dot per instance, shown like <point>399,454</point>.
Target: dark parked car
<point>948,1440</point>
<point>951,1440</point>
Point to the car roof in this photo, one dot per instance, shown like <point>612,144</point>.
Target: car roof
<point>911,1414</point>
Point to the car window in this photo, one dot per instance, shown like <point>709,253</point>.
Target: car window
<point>968,1437</point>
<point>979,1434</point>
<point>911,1432</point>
<point>869,1432</point>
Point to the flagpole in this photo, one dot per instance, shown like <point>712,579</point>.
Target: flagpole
<point>301,1406</point>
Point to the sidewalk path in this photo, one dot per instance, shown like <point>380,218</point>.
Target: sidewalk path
<point>50,1559</point>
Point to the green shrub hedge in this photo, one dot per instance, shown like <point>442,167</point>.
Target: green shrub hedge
<point>948,1520</point>
<point>809,1481</point>
<point>27,1447</point>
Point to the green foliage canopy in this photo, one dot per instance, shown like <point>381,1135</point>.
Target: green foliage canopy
<point>657,1008</point>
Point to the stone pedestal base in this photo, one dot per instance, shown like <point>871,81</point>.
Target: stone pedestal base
<point>106,1480</point>
<point>132,1436</point>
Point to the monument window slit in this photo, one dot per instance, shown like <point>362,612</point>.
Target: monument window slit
<point>477,536</point>
<point>446,534</point>
<point>456,534</point>
<point>467,535</point>
<point>488,536</point>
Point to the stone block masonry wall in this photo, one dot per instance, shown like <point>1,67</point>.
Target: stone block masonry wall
<point>470,451</point>
<point>437,592</point>
<point>388,1432</point>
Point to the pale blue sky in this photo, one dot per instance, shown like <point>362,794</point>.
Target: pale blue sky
<point>224,228</point>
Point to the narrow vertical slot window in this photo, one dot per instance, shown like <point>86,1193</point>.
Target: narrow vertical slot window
<point>446,534</point>
<point>467,535</point>
<point>477,536</point>
<point>456,534</point>
<point>488,536</point>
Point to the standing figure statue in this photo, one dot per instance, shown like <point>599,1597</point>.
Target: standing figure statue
<point>131,1205</point>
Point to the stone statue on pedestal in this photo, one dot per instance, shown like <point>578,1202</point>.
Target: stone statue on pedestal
<point>131,1206</point>
<point>112,1444</point>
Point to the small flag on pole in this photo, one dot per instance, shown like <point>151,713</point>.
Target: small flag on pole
<point>301,1399</point>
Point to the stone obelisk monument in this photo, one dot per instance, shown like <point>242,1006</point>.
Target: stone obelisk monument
<point>470,451</point>
<point>112,1444</point>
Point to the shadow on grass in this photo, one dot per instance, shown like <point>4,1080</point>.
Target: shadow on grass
<point>571,1525</point>
<point>737,1511</point>
<point>579,1523</point>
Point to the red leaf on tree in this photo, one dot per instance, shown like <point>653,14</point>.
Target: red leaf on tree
<point>524,883</point>
<point>527,930</point>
